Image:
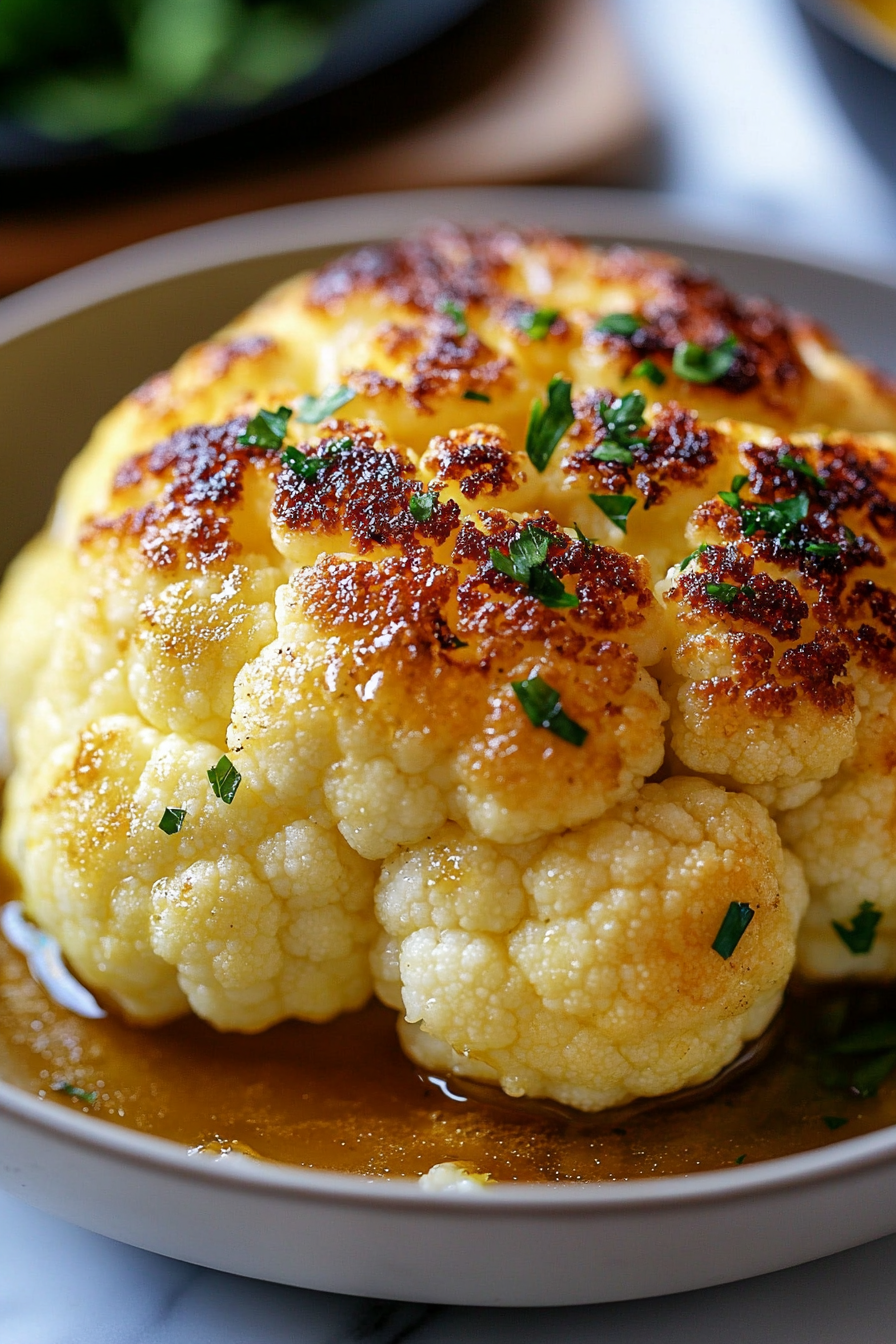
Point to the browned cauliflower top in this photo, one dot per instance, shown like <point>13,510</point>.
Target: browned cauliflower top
<point>445,553</point>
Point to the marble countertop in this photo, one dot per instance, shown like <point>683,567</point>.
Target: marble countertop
<point>59,1285</point>
<point>753,138</point>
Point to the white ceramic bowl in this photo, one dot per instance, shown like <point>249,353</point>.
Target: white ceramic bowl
<point>70,347</point>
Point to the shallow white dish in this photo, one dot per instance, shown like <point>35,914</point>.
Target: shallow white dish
<point>68,349</point>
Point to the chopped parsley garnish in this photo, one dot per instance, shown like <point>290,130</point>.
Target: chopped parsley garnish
<point>456,311</point>
<point>859,935</point>
<point>867,1078</point>
<point>172,820</point>
<point>822,548</point>
<point>616,507</point>
<point>586,541</point>
<point>267,429</point>
<point>739,1161</point>
<point>701,364</point>
<point>537,325</point>
<point>646,368</point>
<point>683,564</point>
<point>77,1092</point>
<point>541,704</point>
<point>610,451</point>
<point>856,1055</point>
<point>224,779</point>
<point>795,464</point>
<point>776,519</point>
<point>548,423</point>
<point>880,1035</point>
<point>733,928</point>
<point>311,410</point>
<point>307,468</point>
<point>623,419</point>
<point>727,592</point>
<point>472,395</point>
<point>619,324</point>
<point>525,562</point>
<point>421,505</point>
<point>835,1121</point>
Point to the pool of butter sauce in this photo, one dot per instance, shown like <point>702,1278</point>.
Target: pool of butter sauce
<point>343,1097</point>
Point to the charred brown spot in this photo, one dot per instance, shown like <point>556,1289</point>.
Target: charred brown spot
<point>772,604</point>
<point>370,383</point>
<point>612,589</point>
<point>477,458</point>
<point>814,667</point>
<point>683,304</point>
<point>675,451</point>
<point>362,489</point>
<point>201,471</point>
<point>442,264</point>
<point>860,479</point>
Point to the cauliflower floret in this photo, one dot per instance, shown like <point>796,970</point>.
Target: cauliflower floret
<point>364,705</point>
<point>245,920</point>
<point>846,839</point>
<point>457,1179</point>
<point>582,967</point>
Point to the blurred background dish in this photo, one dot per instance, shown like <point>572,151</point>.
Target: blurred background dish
<point>84,78</point>
<point>502,91</point>
<point>855,41</point>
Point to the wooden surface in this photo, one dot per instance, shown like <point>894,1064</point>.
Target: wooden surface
<point>564,105</point>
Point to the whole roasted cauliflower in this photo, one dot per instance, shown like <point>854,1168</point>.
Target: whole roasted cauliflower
<point>473,618</point>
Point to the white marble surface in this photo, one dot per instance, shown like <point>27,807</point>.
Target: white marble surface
<point>756,139</point>
<point>59,1285</point>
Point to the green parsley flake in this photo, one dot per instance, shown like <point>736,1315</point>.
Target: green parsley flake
<point>525,562</point>
<point>616,507</point>
<point>541,704</point>
<point>732,928</point>
<point>647,369</point>
<point>307,468</point>
<point>472,395</point>
<point>739,1161</point>
<point>619,324</point>
<point>727,592</point>
<point>172,820</point>
<point>795,464</point>
<point>775,519</point>
<point>826,548</point>
<point>311,410</point>
<point>587,542</point>
<point>613,452</point>
<point>421,505</point>
<point>868,1077</point>
<point>860,934</point>
<point>835,1121</point>
<point>456,311</point>
<point>683,564</point>
<point>699,364</point>
<point>880,1035</point>
<point>623,420</point>
<point>537,325</point>
<point>548,423</point>
<point>224,779</point>
<point>77,1092</point>
<point>267,429</point>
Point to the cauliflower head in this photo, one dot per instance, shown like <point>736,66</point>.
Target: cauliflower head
<point>355,640</point>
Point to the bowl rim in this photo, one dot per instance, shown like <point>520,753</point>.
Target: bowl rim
<point>344,221</point>
<point>842,18</point>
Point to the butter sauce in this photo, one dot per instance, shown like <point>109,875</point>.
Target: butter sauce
<point>344,1098</point>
